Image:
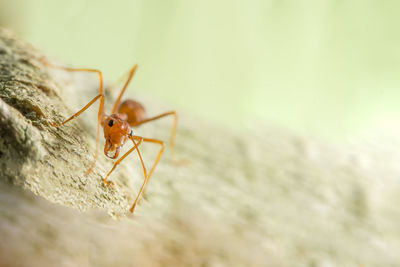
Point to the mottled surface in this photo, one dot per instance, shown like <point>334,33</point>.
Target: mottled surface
<point>268,198</point>
<point>49,161</point>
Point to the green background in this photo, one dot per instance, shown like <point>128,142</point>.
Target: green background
<point>322,68</point>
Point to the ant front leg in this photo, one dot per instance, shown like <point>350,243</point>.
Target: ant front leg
<point>101,107</point>
<point>147,177</point>
<point>135,146</point>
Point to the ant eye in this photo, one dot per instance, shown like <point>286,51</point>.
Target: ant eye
<point>110,123</point>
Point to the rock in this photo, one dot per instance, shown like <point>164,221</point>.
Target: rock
<point>49,161</point>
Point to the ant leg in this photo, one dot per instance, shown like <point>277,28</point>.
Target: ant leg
<point>131,73</point>
<point>147,178</point>
<point>100,95</point>
<point>78,113</point>
<point>173,133</point>
<point>135,146</point>
<point>100,112</point>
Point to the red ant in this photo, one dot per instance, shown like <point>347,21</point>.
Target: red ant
<point>118,128</point>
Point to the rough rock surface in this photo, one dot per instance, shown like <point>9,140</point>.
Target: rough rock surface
<point>267,198</point>
<point>49,161</point>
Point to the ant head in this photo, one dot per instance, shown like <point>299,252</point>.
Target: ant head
<point>116,132</point>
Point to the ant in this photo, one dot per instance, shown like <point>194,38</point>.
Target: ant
<point>118,127</point>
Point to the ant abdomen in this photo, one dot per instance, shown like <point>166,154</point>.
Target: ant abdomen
<point>134,110</point>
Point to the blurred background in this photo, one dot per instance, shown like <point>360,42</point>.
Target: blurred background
<point>326,68</point>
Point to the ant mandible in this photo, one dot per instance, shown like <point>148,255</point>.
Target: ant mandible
<point>118,128</point>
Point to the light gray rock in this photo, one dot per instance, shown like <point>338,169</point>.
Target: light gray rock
<point>49,161</point>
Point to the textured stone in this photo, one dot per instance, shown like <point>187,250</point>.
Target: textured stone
<point>49,161</point>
